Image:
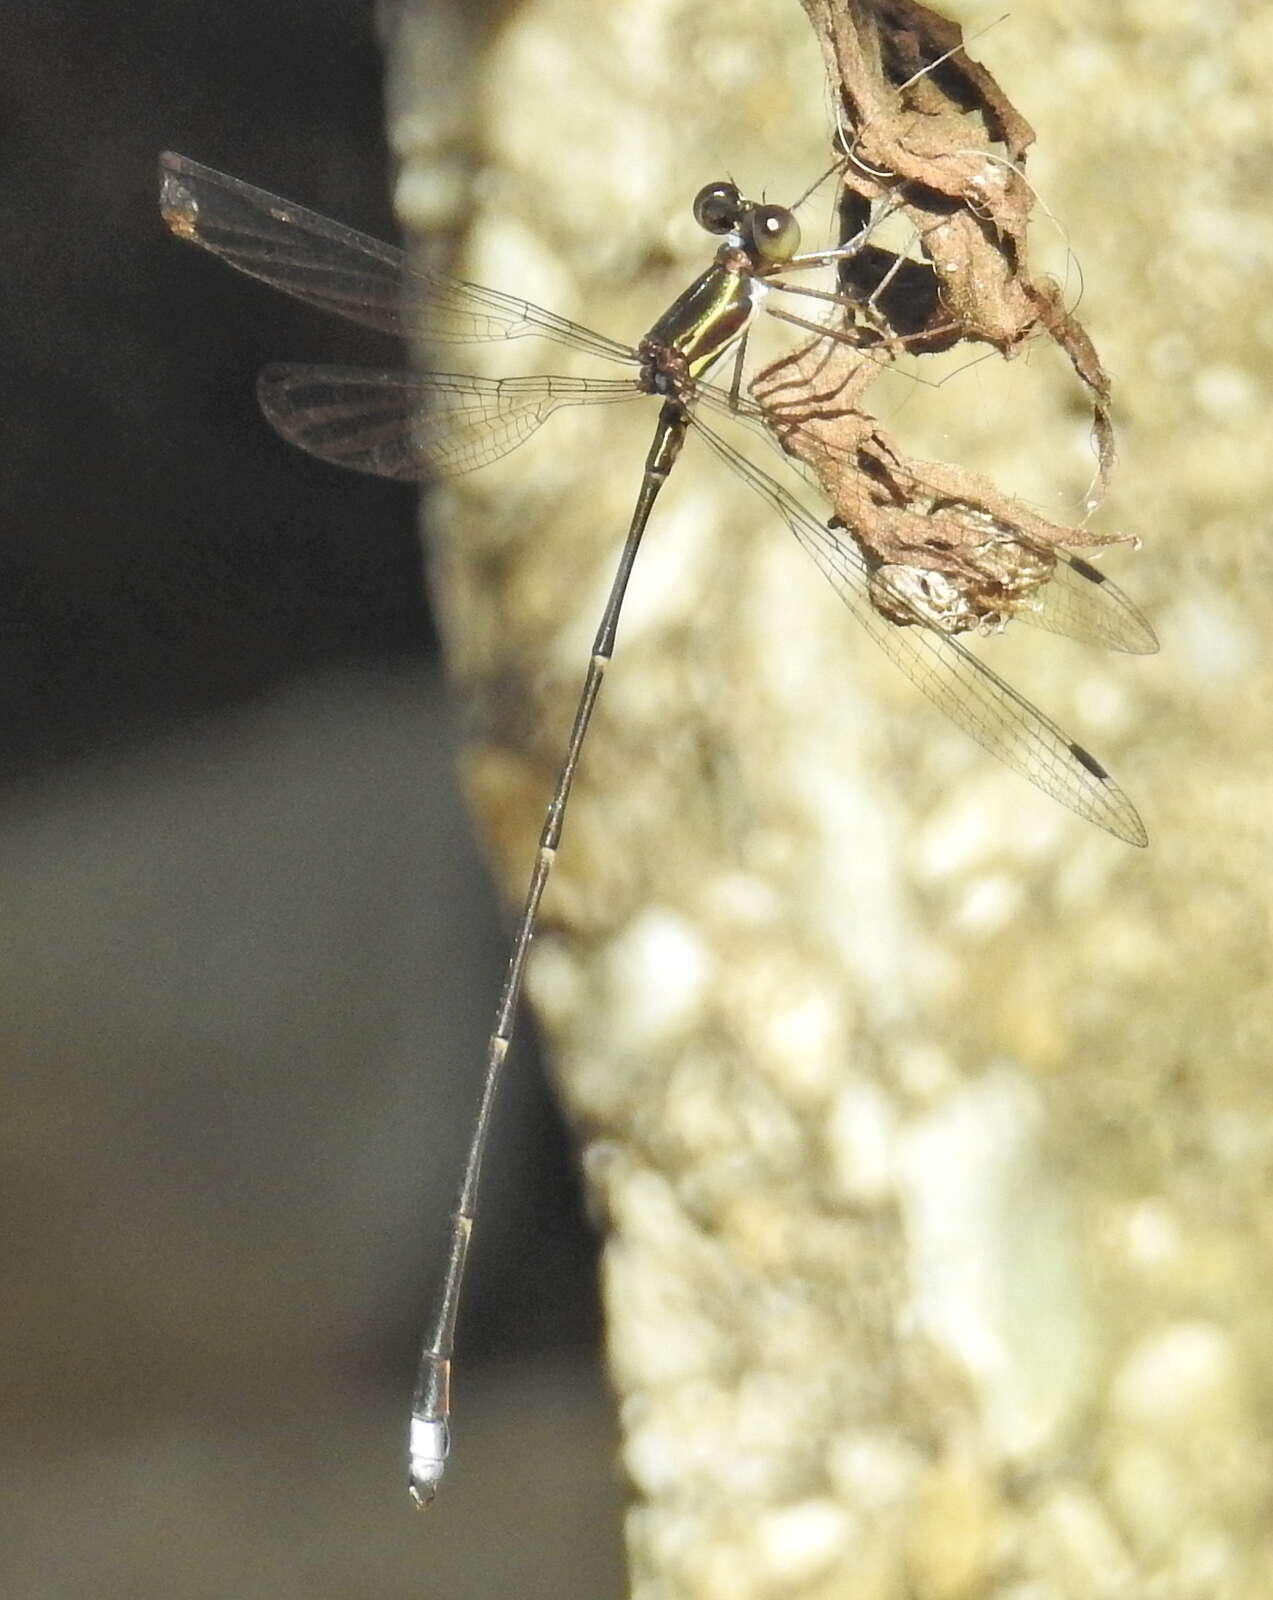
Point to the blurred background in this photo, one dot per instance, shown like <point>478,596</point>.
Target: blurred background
<point>250,950</point>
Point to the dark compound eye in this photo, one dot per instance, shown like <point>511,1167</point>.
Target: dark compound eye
<point>775,233</point>
<point>718,207</point>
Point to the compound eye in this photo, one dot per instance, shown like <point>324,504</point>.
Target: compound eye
<point>775,233</point>
<point>718,207</point>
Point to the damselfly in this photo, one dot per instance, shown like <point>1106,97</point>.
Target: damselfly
<point>411,427</point>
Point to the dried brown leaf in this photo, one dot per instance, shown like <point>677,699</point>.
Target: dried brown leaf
<point>944,545</point>
<point>920,122</point>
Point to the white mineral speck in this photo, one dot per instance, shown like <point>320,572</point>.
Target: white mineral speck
<point>1152,1234</point>
<point>657,968</point>
<point>873,1471</point>
<point>798,1542</point>
<point>988,903</point>
<point>1177,1376</point>
<point>861,1137</point>
<point>802,1036</point>
<point>1223,392</point>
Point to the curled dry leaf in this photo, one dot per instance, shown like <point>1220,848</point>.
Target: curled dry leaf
<point>920,122</point>
<point>943,546</point>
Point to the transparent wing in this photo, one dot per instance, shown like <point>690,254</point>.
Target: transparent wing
<point>974,697</point>
<point>345,272</point>
<point>1080,602</point>
<point>739,408</point>
<point>404,427</point>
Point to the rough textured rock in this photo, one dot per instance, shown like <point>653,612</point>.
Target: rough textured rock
<point>931,1129</point>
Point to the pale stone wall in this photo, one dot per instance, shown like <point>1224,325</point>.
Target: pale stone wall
<point>931,1127</point>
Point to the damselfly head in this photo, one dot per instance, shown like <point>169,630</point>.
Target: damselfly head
<point>769,234</point>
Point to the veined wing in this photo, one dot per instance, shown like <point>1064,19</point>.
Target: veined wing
<point>398,426</point>
<point>973,696</point>
<point>1079,601</point>
<point>346,272</point>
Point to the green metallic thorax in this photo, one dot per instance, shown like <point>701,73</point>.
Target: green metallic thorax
<point>703,322</point>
